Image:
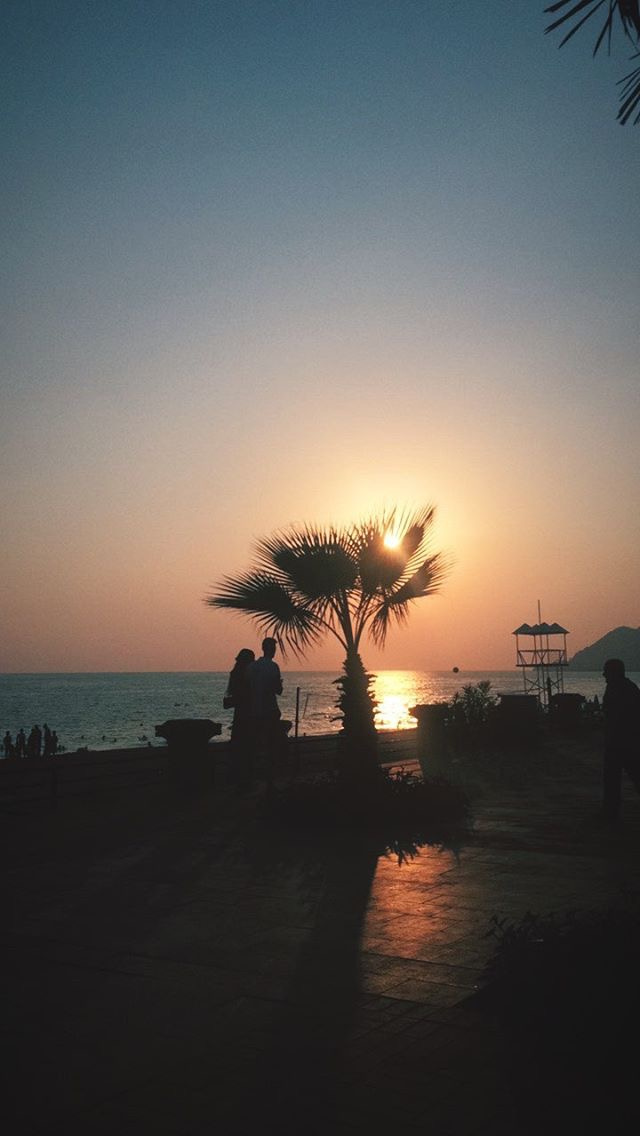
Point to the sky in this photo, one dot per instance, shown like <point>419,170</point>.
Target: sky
<point>287,261</point>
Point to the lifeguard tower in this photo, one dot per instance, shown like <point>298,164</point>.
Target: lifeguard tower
<point>543,659</point>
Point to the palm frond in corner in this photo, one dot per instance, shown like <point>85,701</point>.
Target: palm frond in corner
<point>630,96</point>
<point>593,6</point>
<point>628,12</point>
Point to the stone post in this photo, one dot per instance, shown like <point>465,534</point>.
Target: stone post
<point>432,739</point>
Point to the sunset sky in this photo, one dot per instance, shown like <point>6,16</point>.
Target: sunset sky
<point>271,262</point>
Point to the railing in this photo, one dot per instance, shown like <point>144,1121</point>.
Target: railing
<point>321,751</point>
<point>542,657</point>
<point>77,774</point>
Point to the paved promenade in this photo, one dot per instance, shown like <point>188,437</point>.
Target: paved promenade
<point>169,969</point>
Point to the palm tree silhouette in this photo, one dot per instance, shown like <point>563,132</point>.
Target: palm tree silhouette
<point>310,581</point>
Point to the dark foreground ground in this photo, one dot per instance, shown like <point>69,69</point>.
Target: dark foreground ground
<point>171,967</point>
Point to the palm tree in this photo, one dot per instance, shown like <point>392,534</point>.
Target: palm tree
<point>308,582</point>
<point>628,12</point>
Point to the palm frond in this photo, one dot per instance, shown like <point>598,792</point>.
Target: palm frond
<point>424,581</point>
<point>314,561</point>
<point>630,15</point>
<point>417,534</point>
<point>387,614</point>
<point>628,12</point>
<point>395,608</point>
<point>379,566</point>
<point>414,536</point>
<point>271,607</point>
<point>592,5</point>
<point>382,567</point>
<point>630,96</point>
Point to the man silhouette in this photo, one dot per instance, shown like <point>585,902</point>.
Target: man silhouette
<point>621,708</point>
<point>265,683</point>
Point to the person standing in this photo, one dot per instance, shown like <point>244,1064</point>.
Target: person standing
<point>238,698</point>
<point>34,742</point>
<point>7,745</point>
<point>21,743</point>
<point>621,709</point>
<point>265,682</point>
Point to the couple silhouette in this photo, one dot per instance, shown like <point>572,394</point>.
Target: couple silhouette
<point>252,692</point>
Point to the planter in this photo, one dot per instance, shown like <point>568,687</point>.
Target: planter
<point>565,710</point>
<point>191,762</point>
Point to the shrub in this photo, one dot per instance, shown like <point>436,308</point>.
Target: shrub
<point>472,706</point>
<point>398,810</point>
<point>557,952</point>
<point>567,990</point>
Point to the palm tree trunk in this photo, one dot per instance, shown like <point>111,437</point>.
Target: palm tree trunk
<point>358,737</point>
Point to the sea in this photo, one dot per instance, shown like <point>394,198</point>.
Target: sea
<point>116,711</point>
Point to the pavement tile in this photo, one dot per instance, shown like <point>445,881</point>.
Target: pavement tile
<point>431,994</point>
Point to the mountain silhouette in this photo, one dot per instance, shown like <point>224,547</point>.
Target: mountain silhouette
<point>621,643</point>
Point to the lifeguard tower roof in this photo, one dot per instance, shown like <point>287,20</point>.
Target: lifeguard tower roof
<point>540,629</point>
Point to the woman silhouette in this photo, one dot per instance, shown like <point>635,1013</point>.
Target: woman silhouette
<point>238,697</point>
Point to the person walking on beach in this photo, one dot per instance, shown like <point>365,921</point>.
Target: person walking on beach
<point>7,745</point>
<point>265,682</point>
<point>238,698</point>
<point>21,743</point>
<point>621,708</point>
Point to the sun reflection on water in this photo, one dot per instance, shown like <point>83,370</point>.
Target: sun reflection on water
<point>395,692</point>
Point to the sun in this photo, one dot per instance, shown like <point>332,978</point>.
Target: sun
<point>391,539</point>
